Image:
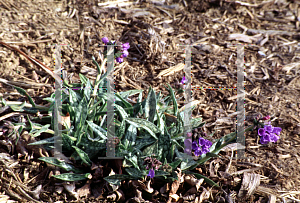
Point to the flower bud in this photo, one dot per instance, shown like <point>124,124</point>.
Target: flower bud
<point>266,117</point>
<point>119,59</point>
<point>189,134</point>
<point>126,46</point>
<point>125,53</point>
<point>105,40</point>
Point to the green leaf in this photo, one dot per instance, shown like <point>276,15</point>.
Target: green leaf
<point>88,90</point>
<point>134,172</point>
<point>175,164</point>
<point>16,107</point>
<point>49,140</point>
<point>96,63</point>
<point>72,176</point>
<point>142,123</point>
<point>160,123</point>
<point>218,143</point>
<point>172,151</point>
<point>93,147</point>
<point>139,104</point>
<point>140,143</point>
<point>129,93</point>
<point>209,154</point>
<point>175,105</point>
<point>161,173</point>
<point>188,164</point>
<point>152,149</point>
<point>116,179</point>
<point>197,122</point>
<point>101,82</point>
<point>122,112</point>
<point>100,132</point>
<point>133,160</point>
<point>121,130</point>
<point>131,133</point>
<point>68,141</point>
<point>24,93</point>
<point>43,129</point>
<point>74,98</point>
<point>81,114</point>
<point>150,106</point>
<point>83,78</point>
<point>84,156</point>
<point>126,103</point>
<point>61,164</point>
<point>177,144</point>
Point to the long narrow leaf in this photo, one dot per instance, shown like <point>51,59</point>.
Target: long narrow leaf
<point>24,93</point>
<point>175,106</point>
<point>61,164</point>
<point>84,156</point>
<point>72,176</point>
<point>150,106</point>
<point>97,129</point>
<point>141,123</point>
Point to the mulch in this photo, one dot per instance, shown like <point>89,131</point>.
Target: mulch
<point>157,32</point>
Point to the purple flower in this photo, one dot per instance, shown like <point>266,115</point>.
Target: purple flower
<point>126,46</point>
<point>268,134</point>
<point>119,59</point>
<point>183,80</point>
<point>151,173</point>
<point>201,147</point>
<point>105,40</point>
<point>198,151</point>
<point>125,53</point>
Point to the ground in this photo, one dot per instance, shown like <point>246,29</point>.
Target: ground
<point>156,31</point>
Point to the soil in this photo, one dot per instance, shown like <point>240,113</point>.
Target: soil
<point>157,31</point>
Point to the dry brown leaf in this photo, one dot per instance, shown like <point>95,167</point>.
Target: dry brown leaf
<point>250,183</point>
<point>242,38</point>
<point>66,121</point>
<point>36,193</point>
<point>191,180</point>
<point>70,187</point>
<point>171,70</point>
<point>290,66</point>
<point>189,197</point>
<point>149,189</point>
<point>118,195</point>
<point>165,188</point>
<point>84,190</point>
<point>175,185</point>
<point>204,195</point>
<point>193,103</point>
<point>4,198</point>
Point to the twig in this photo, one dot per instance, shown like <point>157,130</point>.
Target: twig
<point>11,114</point>
<point>269,32</point>
<point>36,62</point>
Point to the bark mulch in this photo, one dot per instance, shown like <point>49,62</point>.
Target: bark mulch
<point>157,32</point>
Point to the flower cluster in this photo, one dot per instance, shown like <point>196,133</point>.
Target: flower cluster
<point>268,134</point>
<point>121,50</point>
<point>151,163</point>
<point>200,146</point>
